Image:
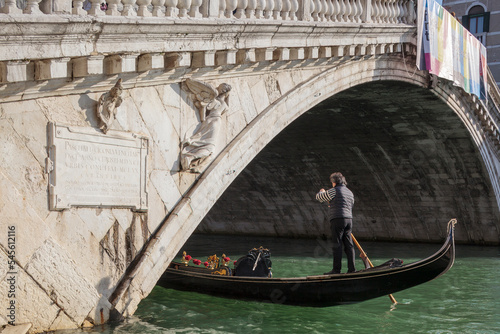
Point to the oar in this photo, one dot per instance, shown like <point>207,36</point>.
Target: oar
<point>363,256</point>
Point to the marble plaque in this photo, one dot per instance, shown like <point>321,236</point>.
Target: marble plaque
<point>90,169</point>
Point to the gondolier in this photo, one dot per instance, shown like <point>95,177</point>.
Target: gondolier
<point>340,202</point>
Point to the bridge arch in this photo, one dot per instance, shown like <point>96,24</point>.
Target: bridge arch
<point>189,212</point>
<point>408,157</point>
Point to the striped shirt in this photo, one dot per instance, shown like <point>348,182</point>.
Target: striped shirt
<point>326,196</point>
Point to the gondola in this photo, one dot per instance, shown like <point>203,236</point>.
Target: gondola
<point>318,290</point>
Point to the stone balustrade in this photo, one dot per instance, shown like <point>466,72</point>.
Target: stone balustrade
<point>489,112</point>
<point>342,11</point>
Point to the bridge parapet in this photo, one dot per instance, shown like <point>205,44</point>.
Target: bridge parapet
<point>353,11</point>
<point>489,113</point>
<point>494,97</point>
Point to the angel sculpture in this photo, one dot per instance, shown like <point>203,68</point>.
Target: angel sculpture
<point>212,104</point>
<point>108,104</point>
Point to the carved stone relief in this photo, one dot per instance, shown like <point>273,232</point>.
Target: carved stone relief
<point>212,103</point>
<point>108,104</point>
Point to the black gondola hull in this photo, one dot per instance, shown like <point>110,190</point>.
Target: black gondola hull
<point>323,290</point>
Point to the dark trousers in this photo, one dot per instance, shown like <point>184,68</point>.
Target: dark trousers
<point>341,233</point>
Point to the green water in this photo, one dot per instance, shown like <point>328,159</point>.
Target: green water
<point>464,300</point>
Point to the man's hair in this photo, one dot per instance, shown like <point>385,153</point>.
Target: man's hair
<point>338,178</point>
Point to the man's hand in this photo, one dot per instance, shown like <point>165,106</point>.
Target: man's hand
<point>322,190</point>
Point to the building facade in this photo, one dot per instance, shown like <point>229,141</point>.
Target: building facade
<point>481,18</point>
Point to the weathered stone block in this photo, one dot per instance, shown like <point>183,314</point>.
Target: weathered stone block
<point>25,119</point>
<point>281,54</point>
<point>17,329</point>
<point>326,52</point>
<point>15,210</point>
<point>360,50</point>
<point>380,48</point>
<point>226,57</point>
<point>264,54</point>
<point>371,49</point>
<point>3,72</point>
<point>203,59</point>
<point>244,56</point>
<point>297,53</point>
<point>26,174</point>
<point>150,61</point>
<point>113,64</point>
<point>312,52</point>
<point>161,128</point>
<point>285,82</point>
<point>256,101</point>
<point>185,181</point>
<point>17,71</point>
<point>58,275</point>
<point>62,322</point>
<point>166,187</point>
<point>52,69</point>
<point>177,59</point>
<point>34,304</point>
<point>84,66</point>
<point>350,50</point>
<point>129,62</point>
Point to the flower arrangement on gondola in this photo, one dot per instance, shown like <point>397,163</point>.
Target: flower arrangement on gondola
<point>225,260</point>
<point>186,258</point>
<point>212,262</point>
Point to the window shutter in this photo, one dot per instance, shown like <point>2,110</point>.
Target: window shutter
<point>465,21</point>
<point>486,22</point>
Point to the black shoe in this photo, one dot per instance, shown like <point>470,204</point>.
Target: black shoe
<point>331,272</point>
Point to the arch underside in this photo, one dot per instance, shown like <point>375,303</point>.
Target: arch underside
<point>412,160</point>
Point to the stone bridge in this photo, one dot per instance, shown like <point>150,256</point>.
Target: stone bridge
<point>91,215</point>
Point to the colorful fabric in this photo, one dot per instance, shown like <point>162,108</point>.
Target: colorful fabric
<point>450,51</point>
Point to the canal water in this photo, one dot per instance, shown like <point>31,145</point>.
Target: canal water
<point>464,300</point>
